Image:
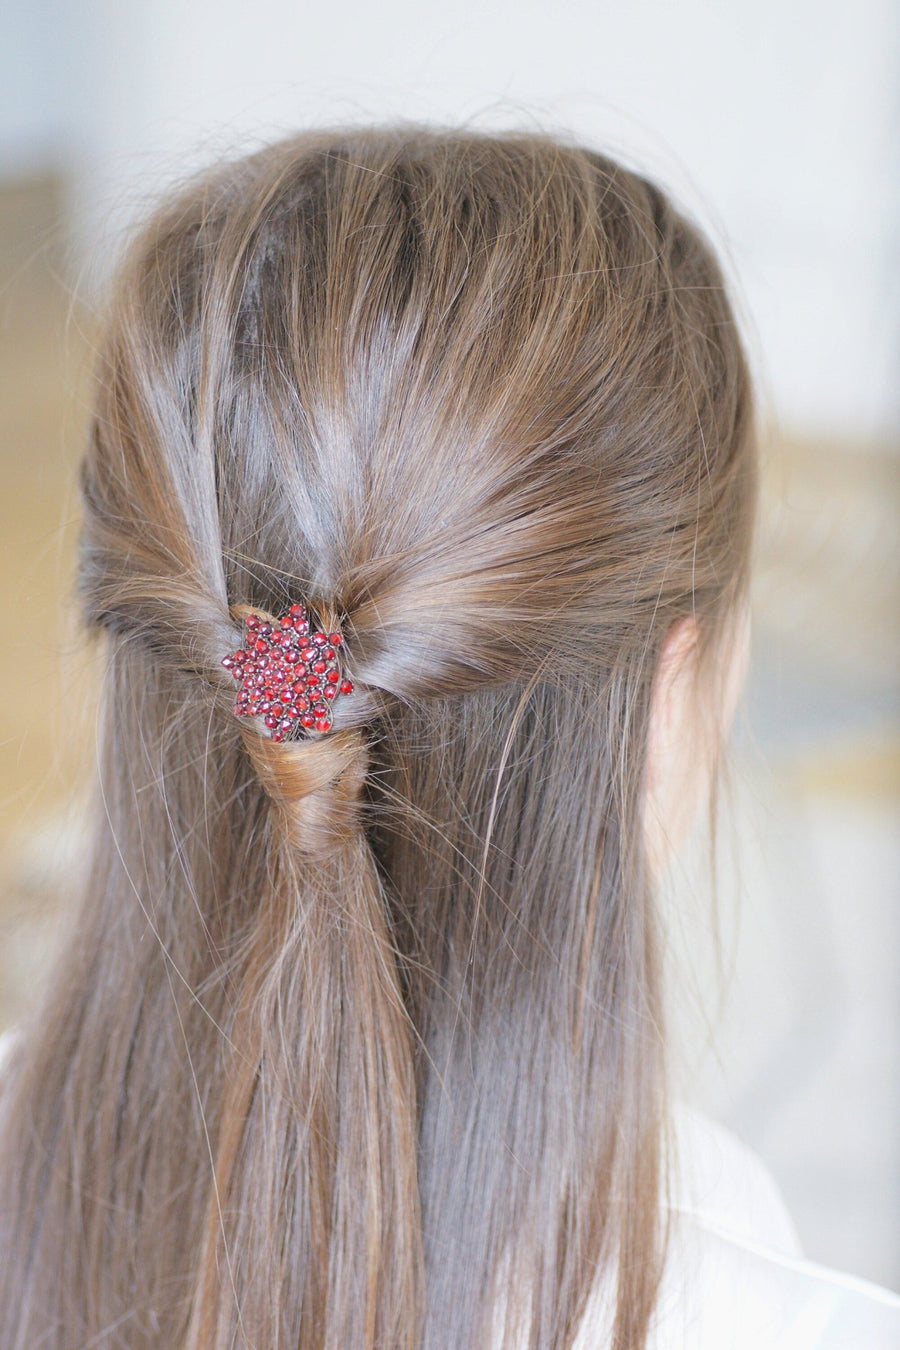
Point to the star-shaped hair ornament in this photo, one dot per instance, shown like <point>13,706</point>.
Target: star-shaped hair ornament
<point>289,673</point>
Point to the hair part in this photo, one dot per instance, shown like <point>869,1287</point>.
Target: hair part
<point>359,1041</point>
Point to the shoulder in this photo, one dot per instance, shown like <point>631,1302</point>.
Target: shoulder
<point>715,1179</point>
<point>736,1277</point>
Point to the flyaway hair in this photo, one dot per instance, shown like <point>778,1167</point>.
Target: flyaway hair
<point>358,1040</point>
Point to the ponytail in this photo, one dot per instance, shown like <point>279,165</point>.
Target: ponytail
<point>317,1137</point>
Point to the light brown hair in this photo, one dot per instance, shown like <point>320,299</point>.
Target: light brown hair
<point>359,1041</point>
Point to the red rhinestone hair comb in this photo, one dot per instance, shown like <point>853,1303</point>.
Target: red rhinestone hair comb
<point>289,673</point>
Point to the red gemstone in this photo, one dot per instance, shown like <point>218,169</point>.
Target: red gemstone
<point>273,682</point>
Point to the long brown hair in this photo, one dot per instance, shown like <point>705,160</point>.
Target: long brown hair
<point>358,1041</point>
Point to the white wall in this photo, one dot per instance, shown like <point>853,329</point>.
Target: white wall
<point>32,120</point>
<point>774,121</point>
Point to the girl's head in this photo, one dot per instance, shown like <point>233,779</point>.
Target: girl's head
<point>360,1041</point>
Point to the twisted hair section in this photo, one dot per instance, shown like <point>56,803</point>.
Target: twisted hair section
<point>316,783</point>
<point>315,787</point>
<point>358,1040</point>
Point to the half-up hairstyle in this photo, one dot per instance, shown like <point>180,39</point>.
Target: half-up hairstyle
<point>358,1043</point>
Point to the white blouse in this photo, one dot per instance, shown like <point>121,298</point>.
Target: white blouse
<point>736,1277</point>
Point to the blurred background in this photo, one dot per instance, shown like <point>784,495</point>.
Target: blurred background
<point>776,125</point>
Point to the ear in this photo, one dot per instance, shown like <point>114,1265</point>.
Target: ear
<point>680,746</point>
<point>673,687</point>
<point>685,733</point>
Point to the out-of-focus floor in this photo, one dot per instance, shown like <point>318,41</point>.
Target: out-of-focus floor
<point>793,1035</point>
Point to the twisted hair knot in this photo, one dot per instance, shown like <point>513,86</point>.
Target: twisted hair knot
<point>316,786</point>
